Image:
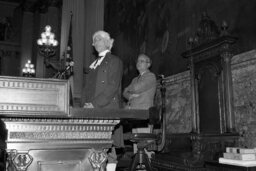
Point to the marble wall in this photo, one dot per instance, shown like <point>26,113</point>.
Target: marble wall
<point>178,103</point>
<point>244,81</point>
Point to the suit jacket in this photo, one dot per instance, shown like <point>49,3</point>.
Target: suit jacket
<point>145,87</point>
<point>103,86</point>
<point>103,89</point>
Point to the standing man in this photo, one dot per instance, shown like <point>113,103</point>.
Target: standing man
<point>141,91</point>
<point>103,86</point>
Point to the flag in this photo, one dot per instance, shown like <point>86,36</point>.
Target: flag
<point>70,61</point>
<point>69,51</point>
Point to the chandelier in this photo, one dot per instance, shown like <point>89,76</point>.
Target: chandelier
<point>47,43</point>
<point>28,70</point>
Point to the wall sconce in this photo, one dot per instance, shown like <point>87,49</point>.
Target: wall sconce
<point>47,43</point>
<point>28,70</point>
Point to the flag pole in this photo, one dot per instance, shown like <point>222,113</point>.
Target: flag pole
<point>70,60</point>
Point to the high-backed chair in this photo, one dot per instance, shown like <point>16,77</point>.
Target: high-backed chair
<point>211,114</point>
<point>144,140</point>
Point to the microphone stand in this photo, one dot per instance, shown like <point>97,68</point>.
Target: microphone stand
<point>62,74</point>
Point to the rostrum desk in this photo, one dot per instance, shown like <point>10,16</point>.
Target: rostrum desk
<point>41,132</point>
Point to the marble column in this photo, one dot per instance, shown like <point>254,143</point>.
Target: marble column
<point>226,56</point>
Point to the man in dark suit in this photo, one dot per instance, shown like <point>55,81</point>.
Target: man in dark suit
<point>141,91</point>
<point>103,86</point>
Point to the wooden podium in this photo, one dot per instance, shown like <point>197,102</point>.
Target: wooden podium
<point>41,132</point>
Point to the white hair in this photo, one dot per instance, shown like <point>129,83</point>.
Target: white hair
<point>107,39</point>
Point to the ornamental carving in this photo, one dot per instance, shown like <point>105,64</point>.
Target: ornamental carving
<point>29,85</point>
<point>73,128</point>
<point>62,121</point>
<point>20,107</point>
<point>21,161</point>
<point>207,30</point>
<point>97,159</point>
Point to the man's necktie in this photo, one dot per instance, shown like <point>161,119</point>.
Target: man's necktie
<point>97,60</point>
<point>138,77</point>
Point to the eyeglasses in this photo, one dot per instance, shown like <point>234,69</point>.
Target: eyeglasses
<point>142,61</point>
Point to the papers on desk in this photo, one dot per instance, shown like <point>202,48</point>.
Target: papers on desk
<point>245,163</point>
<point>240,150</point>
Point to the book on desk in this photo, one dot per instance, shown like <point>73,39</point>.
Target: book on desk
<point>245,163</point>
<point>239,156</point>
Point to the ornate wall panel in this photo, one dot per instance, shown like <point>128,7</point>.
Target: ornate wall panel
<point>178,103</point>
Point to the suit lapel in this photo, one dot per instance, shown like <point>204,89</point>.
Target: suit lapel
<point>106,59</point>
<point>141,76</point>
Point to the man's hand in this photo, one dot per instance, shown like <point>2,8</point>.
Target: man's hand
<point>88,105</point>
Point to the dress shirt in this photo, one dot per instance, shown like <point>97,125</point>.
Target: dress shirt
<point>98,61</point>
<point>141,74</point>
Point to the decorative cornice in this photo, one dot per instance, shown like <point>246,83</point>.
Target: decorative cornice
<point>56,135</point>
<point>59,128</point>
<point>65,142</point>
<point>24,107</point>
<point>36,121</point>
<point>28,129</point>
<point>177,78</point>
<point>29,85</point>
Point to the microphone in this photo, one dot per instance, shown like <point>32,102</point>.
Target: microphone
<point>67,68</point>
<point>161,76</point>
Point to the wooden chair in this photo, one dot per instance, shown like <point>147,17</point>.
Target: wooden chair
<point>144,140</point>
<point>141,160</point>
